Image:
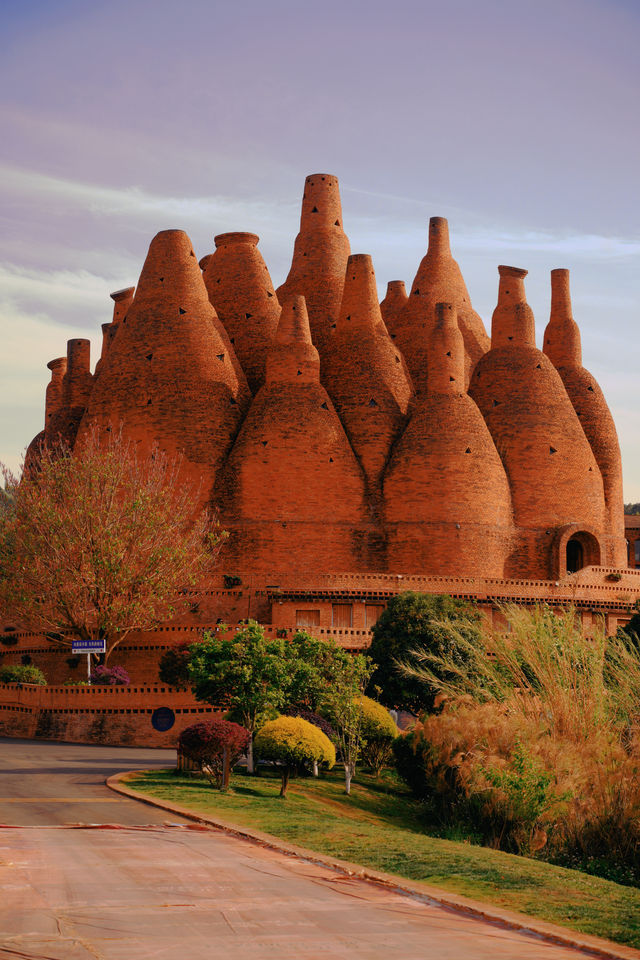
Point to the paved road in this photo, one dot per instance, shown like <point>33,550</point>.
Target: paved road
<point>45,783</point>
<point>174,892</point>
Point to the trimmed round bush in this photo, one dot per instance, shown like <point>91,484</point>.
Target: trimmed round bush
<point>22,674</point>
<point>110,676</point>
<point>378,733</point>
<point>293,742</point>
<point>214,746</point>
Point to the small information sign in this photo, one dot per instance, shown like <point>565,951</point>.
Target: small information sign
<point>88,646</point>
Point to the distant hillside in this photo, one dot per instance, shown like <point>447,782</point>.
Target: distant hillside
<point>632,508</point>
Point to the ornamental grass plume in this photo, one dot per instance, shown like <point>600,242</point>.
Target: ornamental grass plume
<point>538,742</point>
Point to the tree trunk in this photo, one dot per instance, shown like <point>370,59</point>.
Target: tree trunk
<point>285,780</point>
<point>250,767</point>
<point>315,768</point>
<point>348,773</point>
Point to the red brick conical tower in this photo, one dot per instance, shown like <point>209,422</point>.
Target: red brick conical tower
<point>448,505</point>
<point>292,494</point>
<point>122,300</point>
<point>438,280</point>
<point>319,259</point>
<point>241,291</point>
<point>72,386</point>
<point>169,377</point>
<point>554,478</point>
<point>562,346</point>
<point>394,302</point>
<point>367,378</point>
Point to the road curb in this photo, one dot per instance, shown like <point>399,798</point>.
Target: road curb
<point>506,918</point>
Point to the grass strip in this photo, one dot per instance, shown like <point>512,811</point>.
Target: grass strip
<point>379,826</point>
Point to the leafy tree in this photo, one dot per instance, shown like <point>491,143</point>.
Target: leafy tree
<point>414,621</point>
<point>344,707</point>
<point>215,746</point>
<point>293,742</point>
<point>22,674</point>
<point>97,541</point>
<point>632,509</point>
<point>378,731</point>
<point>247,674</point>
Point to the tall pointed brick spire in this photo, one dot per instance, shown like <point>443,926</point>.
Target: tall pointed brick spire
<point>319,259</point>
<point>122,300</point>
<point>394,302</point>
<point>169,377</point>
<point>562,346</point>
<point>241,291</point>
<point>290,459</point>
<point>367,377</point>
<point>438,280</point>
<point>447,498</point>
<point>553,475</point>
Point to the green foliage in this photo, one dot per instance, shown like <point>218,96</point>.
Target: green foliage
<point>344,708</point>
<point>378,733</point>
<point>293,742</point>
<point>173,668</point>
<point>414,621</point>
<point>632,509</point>
<point>22,674</point>
<point>246,674</point>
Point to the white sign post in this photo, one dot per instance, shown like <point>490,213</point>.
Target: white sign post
<point>88,647</point>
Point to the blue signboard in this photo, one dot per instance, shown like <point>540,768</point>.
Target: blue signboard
<point>163,719</point>
<point>88,646</point>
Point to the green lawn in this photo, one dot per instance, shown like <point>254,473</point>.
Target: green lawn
<point>379,827</point>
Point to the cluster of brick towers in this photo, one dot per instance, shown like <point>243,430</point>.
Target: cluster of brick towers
<point>337,434</point>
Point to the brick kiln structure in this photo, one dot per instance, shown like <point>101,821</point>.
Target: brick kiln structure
<point>355,449</point>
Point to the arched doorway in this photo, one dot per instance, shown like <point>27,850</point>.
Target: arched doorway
<point>575,555</point>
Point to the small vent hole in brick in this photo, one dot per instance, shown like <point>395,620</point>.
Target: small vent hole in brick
<point>315,210</point>
<point>192,254</point>
<point>269,294</point>
<point>232,340</point>
<point>468,450</point>
<point>161,279</point>
<point>552,450</point>
<point>416,293</point>
<point>182,311</point>
<point>330,459</point>
<point>149,356</point>
<point>220,356</point>
<point>336,223</point>
<point>373,403</point>
<point>590,389</point>
<point>264,443</point>
<point>149,402</point>
<point>333,326</point>
<point>248,316</point>
<point>232,401</point>
<point>448,353</point>
<point>393,336</point>
<point>299,373</point>
<point>397,359</point>
<point>324,405</point>
<point>496,403</point>
<point>452,379</point>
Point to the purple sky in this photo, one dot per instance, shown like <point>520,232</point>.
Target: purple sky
<point>516,120</point>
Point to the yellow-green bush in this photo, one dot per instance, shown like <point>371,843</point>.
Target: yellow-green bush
<point>293,741</point>
<point>378,733</point>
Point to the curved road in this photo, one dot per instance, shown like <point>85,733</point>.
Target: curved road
<point>151,889</point>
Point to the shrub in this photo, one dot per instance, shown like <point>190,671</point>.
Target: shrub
<point>174,667</point>
<point>378,733</point>
<point>215,746</point>
<point>292,742</point>
<point>311,717</point>
<point>109,676</point>
<point>538,744</point>
<point>417,621</point>
<point>22,674</point>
